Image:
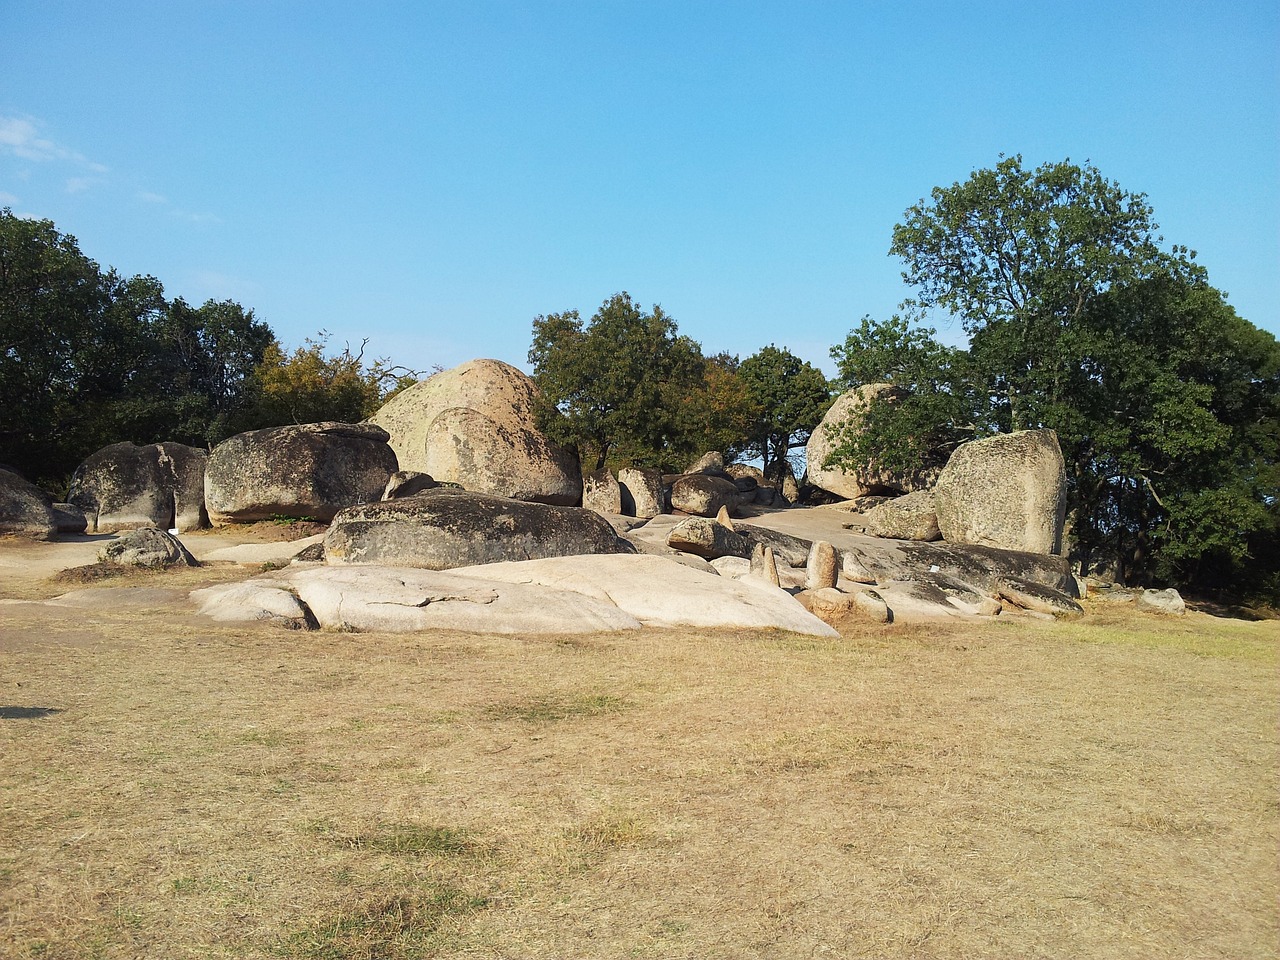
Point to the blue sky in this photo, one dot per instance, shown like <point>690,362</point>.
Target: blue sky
<point>432,176</point>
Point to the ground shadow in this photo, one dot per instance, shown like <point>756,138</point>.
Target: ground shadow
<point>27,713</point>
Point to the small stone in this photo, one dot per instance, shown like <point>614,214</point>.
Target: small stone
<point>1162,601</point>
<point>873,606</point>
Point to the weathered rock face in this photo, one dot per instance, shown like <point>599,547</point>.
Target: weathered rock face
<point>1162,601</point>
<point>910,517</point>
<point>147,547</point>
<point>851,408</point>
<point>475,426</point>
<point>702,495</point>
<point>128,485</point>
<point>312,470</point>
<point>69,518</point>
<point>641,491</point>
<point>1007,491</point>
<point>24,511</point>
<point>406,483</point>
<point>445,528</point>
<point>601,492</point>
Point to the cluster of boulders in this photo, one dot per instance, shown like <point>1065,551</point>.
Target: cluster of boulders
<point>454,473</point>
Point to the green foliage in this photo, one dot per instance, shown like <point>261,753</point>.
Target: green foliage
<point>309,386</point>
<point>788,396</point>
<point>1166,403</point>
<point>626,387</point>
<point>939,411</point>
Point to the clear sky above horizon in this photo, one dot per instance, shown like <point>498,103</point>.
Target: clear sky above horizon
<point>432,176</point>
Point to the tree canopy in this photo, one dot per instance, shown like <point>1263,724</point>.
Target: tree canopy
<point>627,388</point>
<point>1165,401</point>
<point>789,397</point>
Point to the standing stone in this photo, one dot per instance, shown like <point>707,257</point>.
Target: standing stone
<point>641,492</point>
<point>1007,491</point>
<point>763,565</point>
<point>823,567</point>
<point>308,471</point>
<point>601,493</point>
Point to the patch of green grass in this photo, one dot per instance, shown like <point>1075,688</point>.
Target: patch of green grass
<point>406,925</point>
<point>1200,635</point>
<point>400,839</point>
<point>547,709</point>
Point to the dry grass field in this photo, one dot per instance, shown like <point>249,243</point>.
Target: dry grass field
<point>170,788</point>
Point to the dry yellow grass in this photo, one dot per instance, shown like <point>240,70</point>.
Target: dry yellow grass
<point>1100,789</point>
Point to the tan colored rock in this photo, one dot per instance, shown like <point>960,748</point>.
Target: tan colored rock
<point>872,605</point>
<point>1007,491</point>
<point>702,495</point>
<point>641,491</point>
<point>823,567</point>
<point>601,492</point>
<point>909,517</point>
<point>828,604</point>
<point>850,409</point>
<point>475,425</point>
<point>724,519</point>
<point>764,566</point>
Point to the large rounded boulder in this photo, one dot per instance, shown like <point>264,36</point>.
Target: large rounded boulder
<point>309,471</point>
<point>1007,491</point>
<point>475,426</point>
<point>848,414</point>
<point>445,528</point>
<point>128,485</point>
<point>24,509</point>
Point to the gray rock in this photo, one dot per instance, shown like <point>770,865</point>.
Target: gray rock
<point>909,517</point>
<point>1038,598</point>
<point>308,471</point>
<point>641,491</point>
<point>872,605</point>
<point>147,547</point>
<point>601,492</point>
<point>1162,601</point>
<point>1007,491</point>
<point>128,485</point>
<point>444,528</point>
<point>475,425</point>
<point>24,509</point>
<point>70,518</point>
<point>407,483</point>
<point>707,539</point>
<point>703,495</point>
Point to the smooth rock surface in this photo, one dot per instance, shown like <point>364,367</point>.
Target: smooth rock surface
<point>1007,491</point>
<point>475,425</point>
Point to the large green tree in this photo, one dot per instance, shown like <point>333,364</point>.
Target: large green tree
<point>1165,401</point>
<point>627,387</point>
<point>789,396</point>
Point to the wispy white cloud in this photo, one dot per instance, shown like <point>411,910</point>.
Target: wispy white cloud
<point>7,198</point>
<point>80,184</point>
<point>21,137</point>
<point>190,217</point>
<point>146,196</point>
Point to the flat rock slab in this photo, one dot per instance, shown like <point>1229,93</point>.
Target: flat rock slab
<point>662,593</point>
<point>550,596</point>
<point>278,551</point>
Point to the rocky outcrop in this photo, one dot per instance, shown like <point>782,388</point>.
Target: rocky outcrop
<point>308,471</point>
<point>601,493</point>
<point>848,413</point>
<point>1007,491</point>
<point>909,517</point>
<point>147,547</point>
<point>24,510</point>
<point>641,491</point>
<point>475,426</point>
<point>702,495</point>
<point>446,528</point>
<point>549,596</point>
<point>128,485</point>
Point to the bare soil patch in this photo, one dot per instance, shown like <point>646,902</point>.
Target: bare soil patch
<point>1100,788</point>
